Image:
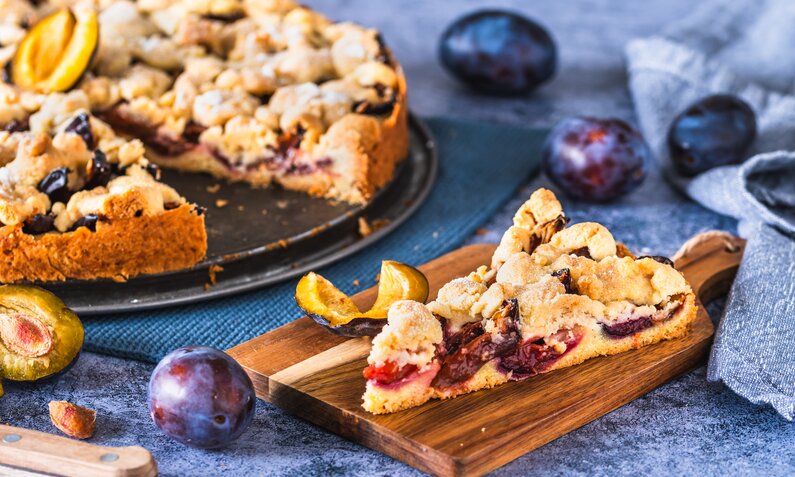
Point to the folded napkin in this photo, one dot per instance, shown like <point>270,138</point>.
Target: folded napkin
<point>741,47</point>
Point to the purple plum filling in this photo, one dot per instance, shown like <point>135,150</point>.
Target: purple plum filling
<point>659,258</point>
<point>39,224</point>
<point>465,352</point>
<point>283,158</point>
<point>564,275</point>
<point>89,221</point>
<point>81,126</point>
<point>16,125</point>
<point>375,109</point>
<point>163,144</point>
<point>535,357</point>
<point>629,327</point>
<point>56,185</point>
<point>637,324</point>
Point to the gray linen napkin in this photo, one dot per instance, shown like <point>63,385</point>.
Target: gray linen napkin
<point>743,47</point>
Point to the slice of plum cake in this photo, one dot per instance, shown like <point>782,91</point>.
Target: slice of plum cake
<point>552,297</point>
<point>80,202</point>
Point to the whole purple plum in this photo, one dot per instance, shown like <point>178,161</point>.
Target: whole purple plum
<point>714,131</point>
<point>499,52</point>
<point>201,397</point>
<point>595,159</point>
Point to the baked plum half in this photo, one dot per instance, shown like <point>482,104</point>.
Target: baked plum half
<point>333,309</point>
<point>57,51</point>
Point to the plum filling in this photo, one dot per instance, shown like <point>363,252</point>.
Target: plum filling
<point>462,360</point>
<point>230,17</point>
<point>39,224</point>
<point>56,185</point>
<point>163,144</point>
<point>659,258</point>
<point>536,356</point>
<point>89,221</point>
<point>16,126</point>
<point>564,275</point>
<point>388,373</point>
<point>637,324</point>
<point>283,158</point>
<point>581,252</point>
<point>383,52</point>
<point>81,126</point>
<point>99,171</point>
<point>629,327</point>
<point>375,109</point>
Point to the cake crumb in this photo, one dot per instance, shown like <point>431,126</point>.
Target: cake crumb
<point>356,282</point>
<point>220,203</point>
<point>364,227</point>
<point>241,208</point>
<point>264,211</point>
<point>213,188</point>
<point>281,204</point>
<point>212,272</point>
<point>367,228</point>
<point>380,223</point>
<point>481,231</point>
<point>283,243</point>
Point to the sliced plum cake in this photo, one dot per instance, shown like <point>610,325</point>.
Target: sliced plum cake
<point>553,296</point>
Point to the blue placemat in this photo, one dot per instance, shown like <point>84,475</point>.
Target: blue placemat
<point>481,166</point>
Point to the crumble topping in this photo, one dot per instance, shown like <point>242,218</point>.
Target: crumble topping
<point>410,336</point>
<point>601,287</point>
<point>30,157</point>
<point>35,157</point>
<point>271,66</point>
<point>455,302</point>
<point>590,236</point>
<point>140,194</point>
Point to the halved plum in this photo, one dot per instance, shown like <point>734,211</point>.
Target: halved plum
<point>56,51</point>
<point>330,307</point>
<point>39,335</point>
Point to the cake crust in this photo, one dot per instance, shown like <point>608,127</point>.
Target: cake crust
<point>117,250</point>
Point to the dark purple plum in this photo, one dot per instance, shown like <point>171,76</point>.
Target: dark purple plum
<point>714,131</point>
<point>595,159</point>
<point>498,52</point>
<point>201,397</point>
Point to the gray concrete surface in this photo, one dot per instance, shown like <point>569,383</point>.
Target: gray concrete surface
<point>687,427</point>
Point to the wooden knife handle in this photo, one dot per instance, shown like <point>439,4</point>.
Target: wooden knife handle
<point>709,261</point>
<point>41,452</point>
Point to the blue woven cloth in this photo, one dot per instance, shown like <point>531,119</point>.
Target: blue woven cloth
<point>481,166</point>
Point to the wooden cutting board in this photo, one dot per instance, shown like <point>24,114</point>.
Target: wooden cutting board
<point>314,374</point>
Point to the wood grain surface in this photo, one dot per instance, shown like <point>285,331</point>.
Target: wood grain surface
<point>39,453</point>
<point>312,373</point>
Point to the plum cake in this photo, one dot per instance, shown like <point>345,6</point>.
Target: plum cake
<point>553,296</point>
<point>98,94</point>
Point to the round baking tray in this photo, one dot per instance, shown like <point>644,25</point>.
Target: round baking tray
<point>264,236</point>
